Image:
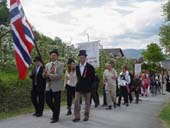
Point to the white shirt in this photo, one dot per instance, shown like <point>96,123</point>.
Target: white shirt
<point>82,68</point>
<point>37,68</point>
<point>71,78</point>
<point>126,81</point>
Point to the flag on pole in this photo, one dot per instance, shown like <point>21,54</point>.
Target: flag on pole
<point>22,36</point>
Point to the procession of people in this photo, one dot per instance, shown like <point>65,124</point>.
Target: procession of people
<point>81,80</point>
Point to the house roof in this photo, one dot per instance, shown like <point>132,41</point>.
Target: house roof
<point>165,64</point>
<point>115,51</point>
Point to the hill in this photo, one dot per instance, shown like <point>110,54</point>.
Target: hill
<point>132,53</point>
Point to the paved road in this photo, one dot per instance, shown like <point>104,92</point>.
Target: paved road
<point>142,115</point>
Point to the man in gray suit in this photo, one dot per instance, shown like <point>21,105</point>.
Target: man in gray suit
<point>53,74</point>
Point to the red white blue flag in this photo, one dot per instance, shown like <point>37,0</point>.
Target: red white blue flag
<point>23,37</point>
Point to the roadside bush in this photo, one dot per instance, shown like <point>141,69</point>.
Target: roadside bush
<point>14,95</point>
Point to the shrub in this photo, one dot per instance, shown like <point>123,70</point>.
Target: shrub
<point>14,94</point>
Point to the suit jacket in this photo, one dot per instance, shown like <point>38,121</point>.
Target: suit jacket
<point>55,82</point>
<point>41,82</point>
<point>84,82</point>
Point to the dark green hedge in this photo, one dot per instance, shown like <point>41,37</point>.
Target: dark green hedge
<point>14,95</point>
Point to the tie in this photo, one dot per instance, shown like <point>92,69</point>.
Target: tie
<point>52,70</point>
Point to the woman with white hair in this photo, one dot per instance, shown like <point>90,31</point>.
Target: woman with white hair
<point>109,77</point>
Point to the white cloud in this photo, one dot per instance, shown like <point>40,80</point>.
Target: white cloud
<point>106,20</point>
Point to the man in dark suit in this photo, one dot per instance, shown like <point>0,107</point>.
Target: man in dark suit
<point>38,87</point>
<point>85,77</point>
<point>94,92</point>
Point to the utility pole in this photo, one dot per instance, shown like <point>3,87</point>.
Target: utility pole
<point>87,37</point>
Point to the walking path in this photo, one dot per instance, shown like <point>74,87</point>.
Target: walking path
<point>142,115</point>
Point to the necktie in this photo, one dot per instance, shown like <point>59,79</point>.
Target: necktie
<point>52,70</point>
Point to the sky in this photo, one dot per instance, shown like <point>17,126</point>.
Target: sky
<point>116,23</point>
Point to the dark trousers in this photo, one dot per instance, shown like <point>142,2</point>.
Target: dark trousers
<point>137,96</point>
<point>37,98</point>
<point>70,95</point>
<point>95,97</point>
<point>130,94</point>
<point>124,93</point>
<point>104,96</point>
<point>53,100</point>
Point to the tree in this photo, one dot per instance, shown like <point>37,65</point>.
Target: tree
<point>4,13</point>
<point>153,53</point>
<point>165,38</point>
<point>166,10</point>
<point>165,29</point>
<point>6,52</point>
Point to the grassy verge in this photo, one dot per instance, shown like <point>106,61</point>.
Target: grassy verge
<point>13,114</point>
<point>23,111</point>
<point>165,115</point>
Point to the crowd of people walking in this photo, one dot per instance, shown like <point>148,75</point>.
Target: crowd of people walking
<point>80,80</point>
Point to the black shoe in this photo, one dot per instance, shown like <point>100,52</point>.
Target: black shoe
<point>69,113</point>
<point>109,108</point>
<point>96,105</point>
<point>136,101</point>
<point>127,104</point>
<point>34,114</point>
<point>54,121</point>
<point>76,120</point>
<point>118,105</point>
<point>39,115</point>
<point>85,119</point>
<point>114,105</point>
<point>131,101</point>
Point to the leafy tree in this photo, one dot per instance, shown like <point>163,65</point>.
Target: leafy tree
<point>165,29</point>
<point>153,53</point>
<point>165,38</point>
<point>4,13</point>
<point>166,10</point>
<point>152,68</point>
<point>6,52</point>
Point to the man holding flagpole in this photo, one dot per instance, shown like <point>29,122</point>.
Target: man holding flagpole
<point>38,87</point>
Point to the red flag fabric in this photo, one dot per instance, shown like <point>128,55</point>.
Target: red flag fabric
<point>22,36</point>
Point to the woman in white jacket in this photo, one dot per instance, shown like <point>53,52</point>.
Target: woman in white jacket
<point>70,83</point>
<point>123,82</point>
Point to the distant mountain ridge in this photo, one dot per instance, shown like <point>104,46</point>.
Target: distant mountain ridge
<point>133,53</point>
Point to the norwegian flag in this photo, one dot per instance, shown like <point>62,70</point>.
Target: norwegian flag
<point>22,36</point>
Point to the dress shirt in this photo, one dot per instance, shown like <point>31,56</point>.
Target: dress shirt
<point>71,78</point>
<point>82,66</point>
<point>37,68</point>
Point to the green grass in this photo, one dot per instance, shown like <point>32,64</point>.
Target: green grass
<point>13,114</point>
<point>5,76</point>
<point>165,115</point>
<point>23,111</point>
